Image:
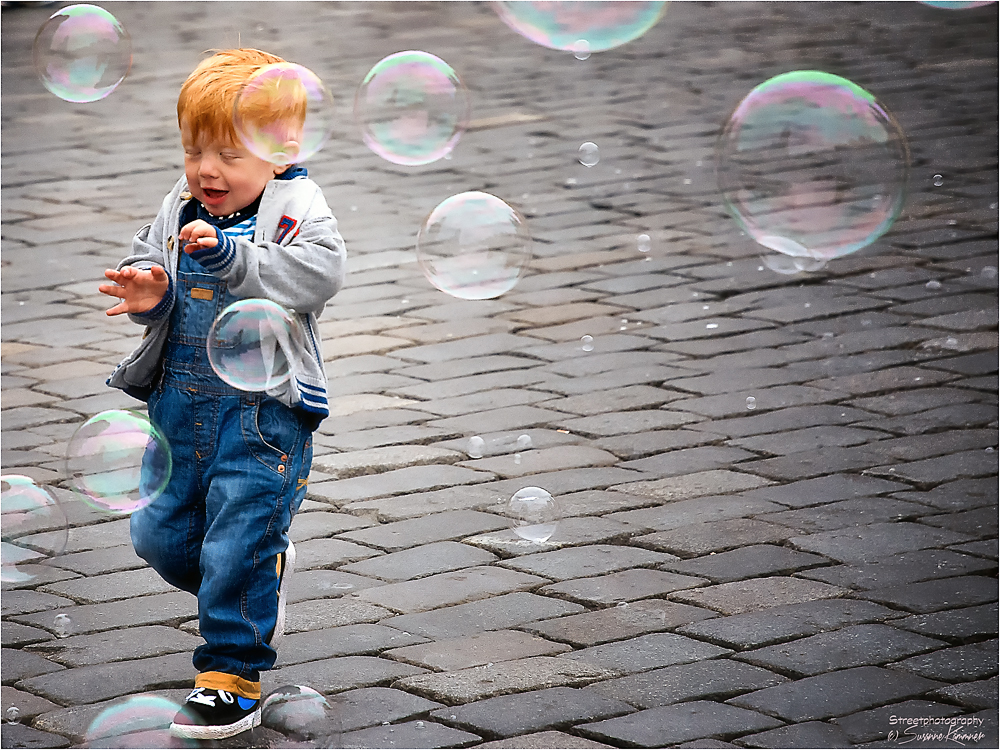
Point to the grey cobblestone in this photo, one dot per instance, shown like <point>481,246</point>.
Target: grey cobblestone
<point>488,680</point>
<point>461,653</point>
<point>508,715</point>
<point>852,646</point>
<point>712,678</point>
<point>666,725</point>
<point>782,623</point>
<point>833,694</point>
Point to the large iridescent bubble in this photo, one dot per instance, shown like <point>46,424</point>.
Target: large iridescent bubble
<point>473,246</point>
<point>82,53</point>
<point>138,721</point>
<point>34,528</point>
<point>254,344</point>
<point>957,4</point>
<point>412,108</point>
<point>812,165</point>
<point>303,714</point>
<point>580,27</point>
<point>118,461</point>
<point>284,114</point>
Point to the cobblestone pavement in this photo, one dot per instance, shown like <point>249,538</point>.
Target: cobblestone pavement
<point>805,574</point>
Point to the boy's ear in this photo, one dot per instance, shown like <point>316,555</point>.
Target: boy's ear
<point>280,168</point>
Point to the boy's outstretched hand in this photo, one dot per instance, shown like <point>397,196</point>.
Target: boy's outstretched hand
<point>138,289</point>
<point>197,235</point>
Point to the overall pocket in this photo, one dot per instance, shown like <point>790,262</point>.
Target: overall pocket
<point>271,431</point>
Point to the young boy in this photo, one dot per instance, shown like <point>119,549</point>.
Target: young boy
<point>233,227</point>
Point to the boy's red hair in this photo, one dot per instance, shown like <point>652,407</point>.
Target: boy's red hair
<point>205,104</point>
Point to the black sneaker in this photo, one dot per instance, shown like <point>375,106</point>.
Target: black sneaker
<point>286,566</point>
<point>210,714</point>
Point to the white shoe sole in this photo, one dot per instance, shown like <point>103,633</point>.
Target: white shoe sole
<point>200,732</point>
<point>286,576</point>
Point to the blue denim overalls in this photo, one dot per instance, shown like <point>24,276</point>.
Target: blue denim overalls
<point>240,465</point>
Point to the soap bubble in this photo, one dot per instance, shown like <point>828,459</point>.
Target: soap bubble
<point>139,721</point>
<point>587,343</point>
<point>788,264</point>
<point>643,243</point>
<point>524,442</point>
<point>957,4</point>
<point>82,53</point>
<point>412,108</point>
<point>12,715</point>
<point>253,345</point>
<point>27,510</point>
<point>938,180</point>
<point>533,514</point>
<point>811,165</point>
<point>581,49</point>
<point>302,713</point>
<point>751,403</point>
<point>473,246</point>
<point>118,461</point>
<point>589,154</point>
<point>933,284</point>
<point>63,625</point>
<point>476,447</point>
<point>283,114</point>
<point>564,25</point>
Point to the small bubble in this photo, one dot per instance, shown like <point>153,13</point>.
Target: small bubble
<point>704,307</point>
<point>354,208</point>
<point>643,243</point>
<point>698,163</point>
<point>419,725</point>
<point>12,715</point>
<point>570,181</point>
<point>938,180</point>
<point>990,449</point>
<point>621,605</point>
<point>951,343</point>
<point>589,154</point>
<point>385,723</point>
<point>989,272</point>
<point>343,586</point>
<point>587,343</point>
<point>581,49</point>
<point>808,304</point>
<point>453,717</point>
<point>447,157</point>
<point>517,458</point>
<point>687,180</point>
<point>751,403</point>
<point>866,322</point>
<point>933,284</point>
<point>993,206</point>
<point>524,442</point>
<point>63,625</point>
<point>476,447</point>
<point>712,325</point>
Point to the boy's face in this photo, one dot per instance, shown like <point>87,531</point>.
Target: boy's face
<point>222,176</point>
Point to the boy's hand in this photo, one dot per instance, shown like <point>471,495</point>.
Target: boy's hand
<point>197,235</point>
<point>138,289</point>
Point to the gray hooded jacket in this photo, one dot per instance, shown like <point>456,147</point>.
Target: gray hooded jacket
<point>296,259</point>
